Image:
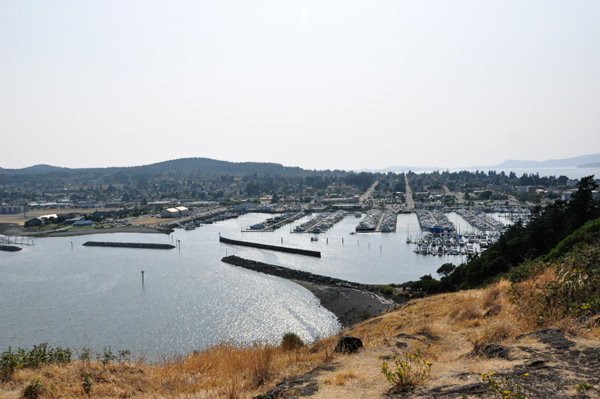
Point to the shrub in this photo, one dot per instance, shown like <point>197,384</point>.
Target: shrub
<point>86,383</point>
<point>408,372</point>
<point>505,388</point>
<point>291,341</point>
<point>386,290</point>
<point>34,390</point>
<point>38,356</point>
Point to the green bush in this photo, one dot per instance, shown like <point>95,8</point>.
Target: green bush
<point>38,356</point>
<point>291,341</point>
<point>386,290</point>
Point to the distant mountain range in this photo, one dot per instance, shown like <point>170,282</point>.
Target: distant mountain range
<point>216,167</point>
<point>182,165</point>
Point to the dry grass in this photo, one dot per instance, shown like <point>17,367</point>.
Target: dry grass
<point>222,371</point>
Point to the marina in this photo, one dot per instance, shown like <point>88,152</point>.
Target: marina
<point>320,223</point>
<point>273,223</point>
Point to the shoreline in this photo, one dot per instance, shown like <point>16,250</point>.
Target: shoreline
<point>15,231</point>
<point>350,302</point>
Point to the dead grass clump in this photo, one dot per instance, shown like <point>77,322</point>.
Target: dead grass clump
<point>492,296</point>
<point>341,377</point>
<point>469,312</point>
<point>423,325</point>
<point>260,361</point>
<point>492,333</point>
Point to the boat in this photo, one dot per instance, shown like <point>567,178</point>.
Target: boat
<point>358,214</point>
<point>314,238</point>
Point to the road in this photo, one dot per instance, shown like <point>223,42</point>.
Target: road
<point>368,193</point>
<point>410,203</point>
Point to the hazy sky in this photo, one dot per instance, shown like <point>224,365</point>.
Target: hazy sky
<point>314,84</point>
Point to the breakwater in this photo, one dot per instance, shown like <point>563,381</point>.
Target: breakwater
<point>9,248</point>
<point>128,245</point>
<point>289,250</point>
<point>292,274</point>
<point>350,302</point>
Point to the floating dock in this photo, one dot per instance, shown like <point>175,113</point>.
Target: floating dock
<point>288,250</point>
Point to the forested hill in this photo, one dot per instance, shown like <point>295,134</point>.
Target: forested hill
<point>184,165</point>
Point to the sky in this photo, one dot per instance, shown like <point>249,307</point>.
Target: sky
<point>316,84</point>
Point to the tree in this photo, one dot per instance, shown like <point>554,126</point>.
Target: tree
<point>144,201</point>
<point>446,269</point>
<point>275,199</point>
<point>583,207</point>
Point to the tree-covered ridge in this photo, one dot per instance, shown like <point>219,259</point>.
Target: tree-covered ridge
<point>521,243</point>
<point>182,165</point>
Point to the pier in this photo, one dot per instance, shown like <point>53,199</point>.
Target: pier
<point>481,222</point>
<point>288,250</point>
<point>321,223</point>
<point>207,217</point>
<point>387,222</point>
<point>275,222</point>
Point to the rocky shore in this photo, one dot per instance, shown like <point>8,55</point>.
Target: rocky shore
<point>350,302</point>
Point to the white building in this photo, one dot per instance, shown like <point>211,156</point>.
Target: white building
<point>175,212</point>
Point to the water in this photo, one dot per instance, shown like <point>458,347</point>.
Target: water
<point>93,297</point>
<point>571,173</point>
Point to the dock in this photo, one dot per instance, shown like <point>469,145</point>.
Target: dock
<point>321,223</point>
<point>275,222</point>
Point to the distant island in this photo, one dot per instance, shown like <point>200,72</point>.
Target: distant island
<point>590,165</point>
<point>583,161</point>
<point>552,163</point>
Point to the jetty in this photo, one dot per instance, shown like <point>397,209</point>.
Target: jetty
<point>350,302</point>
<point>128,245</point>
<point>288,250</point>
<point>10,248</point>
